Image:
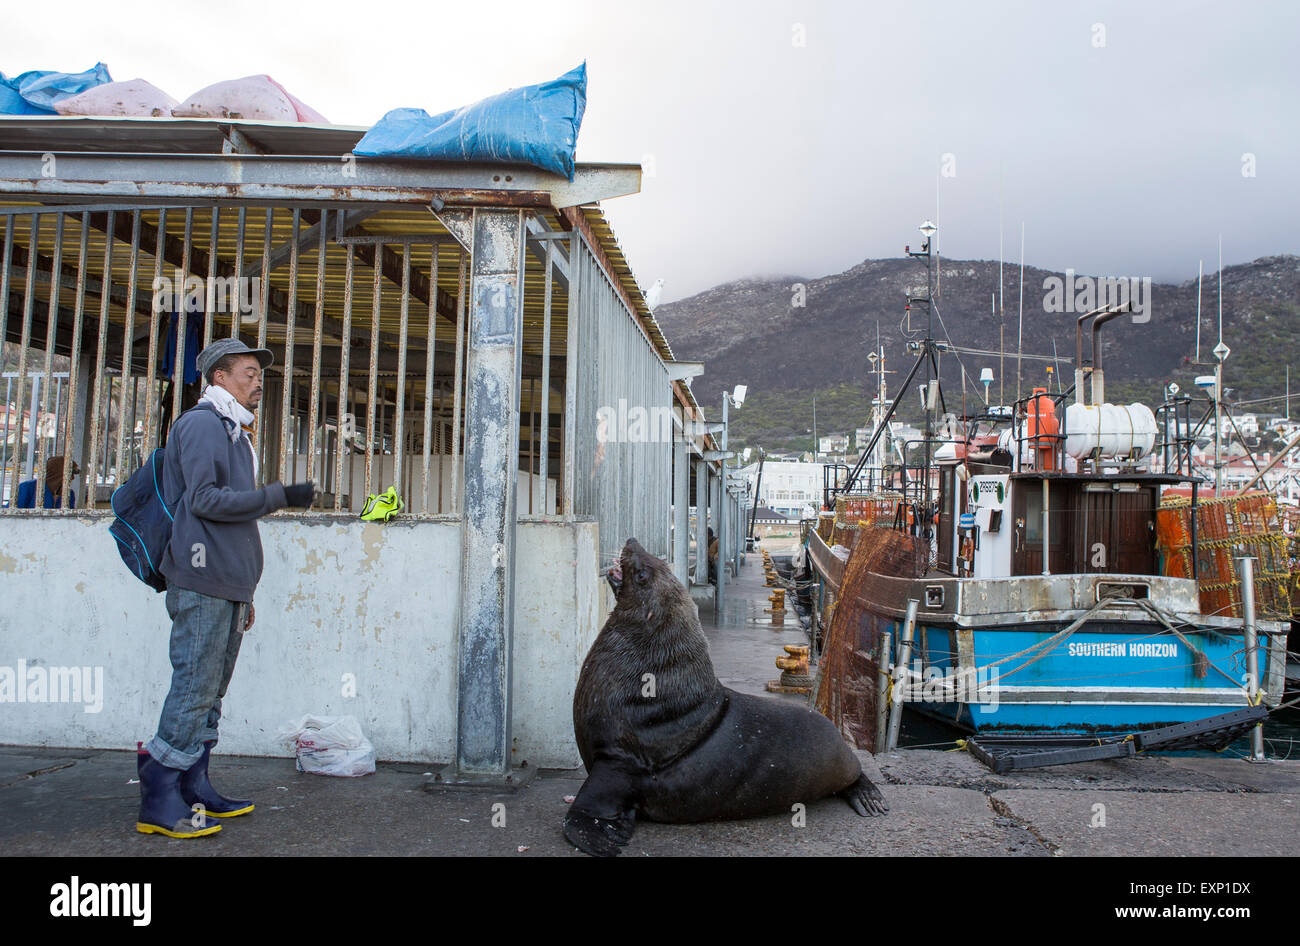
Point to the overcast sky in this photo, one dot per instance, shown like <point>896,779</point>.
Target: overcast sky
<point>799,137</point>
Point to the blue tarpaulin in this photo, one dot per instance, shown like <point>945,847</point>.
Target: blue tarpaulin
<point>536,125</point>
<point>35,92</point>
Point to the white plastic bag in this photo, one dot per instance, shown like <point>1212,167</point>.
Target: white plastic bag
<point>330,745</point>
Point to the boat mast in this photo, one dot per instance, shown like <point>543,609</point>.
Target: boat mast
<point>1218,388</point>
<point>1200,271</point>
<point>1002,318</point>
<point>1020,335</point>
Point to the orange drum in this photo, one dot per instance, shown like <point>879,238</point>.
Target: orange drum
<point>1043,429</point>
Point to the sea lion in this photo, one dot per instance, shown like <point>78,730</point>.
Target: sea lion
<point>661,736</point>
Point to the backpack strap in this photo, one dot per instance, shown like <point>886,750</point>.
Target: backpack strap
<point>208,406</point>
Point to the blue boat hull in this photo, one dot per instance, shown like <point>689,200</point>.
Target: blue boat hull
<point>1109,677</point>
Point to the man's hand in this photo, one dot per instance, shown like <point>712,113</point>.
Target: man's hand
<point>252,615</point>
<point>300,494</point>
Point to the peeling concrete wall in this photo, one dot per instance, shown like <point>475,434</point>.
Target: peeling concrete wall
<point>337,597</point>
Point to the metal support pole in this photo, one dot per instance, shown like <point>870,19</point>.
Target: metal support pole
<point>491,461</point>
<point>701,522</point>
<point>1247,564</point>
<point>737,532</point>
<point>1218,429</point>
<point>681,509</point>
<point>1046,531</point>
<point>904,659</point>
<point>719,592</point>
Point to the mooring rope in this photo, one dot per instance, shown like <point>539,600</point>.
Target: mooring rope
<point>1047,644</point>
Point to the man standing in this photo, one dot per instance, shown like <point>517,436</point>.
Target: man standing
<point>212,566</point>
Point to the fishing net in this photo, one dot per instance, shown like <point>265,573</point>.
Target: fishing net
<point>852,687</point>
<point>851,512</point>
<point>1226,528</point>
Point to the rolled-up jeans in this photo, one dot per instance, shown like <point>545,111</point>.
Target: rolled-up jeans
<point>206,634</point>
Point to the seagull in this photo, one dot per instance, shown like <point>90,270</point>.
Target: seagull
<point>652,297</point>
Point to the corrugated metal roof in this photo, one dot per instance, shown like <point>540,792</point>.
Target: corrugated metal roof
<point>623,269</point>
<point>170,135</point>
<point>604,232</point>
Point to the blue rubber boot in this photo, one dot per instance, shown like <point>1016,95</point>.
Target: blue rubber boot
<point>197,790</point>
<point>162,809</point>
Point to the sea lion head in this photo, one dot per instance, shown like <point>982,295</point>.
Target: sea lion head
<point>643,583</point>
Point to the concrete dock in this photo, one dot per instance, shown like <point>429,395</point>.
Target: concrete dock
<point>83,802</point>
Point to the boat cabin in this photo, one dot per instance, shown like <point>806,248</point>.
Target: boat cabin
<point>993,525</point>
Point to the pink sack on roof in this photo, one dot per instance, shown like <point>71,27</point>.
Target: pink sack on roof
<point>134,98</point>
<point>258,98</point>
<point>305,112</point>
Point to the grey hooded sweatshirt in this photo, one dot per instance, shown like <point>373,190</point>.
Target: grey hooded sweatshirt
<point>208,485</point>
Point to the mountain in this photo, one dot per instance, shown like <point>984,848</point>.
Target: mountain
<point>791,338</point>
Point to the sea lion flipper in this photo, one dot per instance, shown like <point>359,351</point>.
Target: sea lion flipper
<point>866,799</point>
<point>600,837</point>
<point>603,816</point>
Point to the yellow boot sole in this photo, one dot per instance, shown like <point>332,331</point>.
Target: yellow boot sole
<point>196,833</point>
<point>230,814</point>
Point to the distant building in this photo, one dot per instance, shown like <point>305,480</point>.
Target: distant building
<point>833,444</point>
<point>791,489</point>
<point>770,522</point>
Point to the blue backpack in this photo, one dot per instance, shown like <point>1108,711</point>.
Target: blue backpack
<point>143,526</point>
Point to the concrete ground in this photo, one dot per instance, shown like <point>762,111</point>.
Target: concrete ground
<point>84,802</point>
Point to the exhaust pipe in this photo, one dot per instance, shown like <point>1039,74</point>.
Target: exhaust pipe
<point>1078,355</point>
<point>1098,378</point>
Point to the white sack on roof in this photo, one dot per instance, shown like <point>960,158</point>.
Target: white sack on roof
<point>134,98</point>
<point>258,98</point>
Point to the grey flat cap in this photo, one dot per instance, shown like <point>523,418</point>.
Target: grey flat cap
<point>230,346</point>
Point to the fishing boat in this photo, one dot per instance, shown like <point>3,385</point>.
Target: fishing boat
<point>1030,578</point>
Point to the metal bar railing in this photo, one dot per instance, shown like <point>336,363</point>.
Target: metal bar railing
<point>372,440</point>
<point>291,310</point>
<point>51,335</point>
<point>74,367</point>
<point>345,421</point>
<point>29,297</point>
<point>182,314</point>
<point>399,393</point>
<point>151,406</point>
<point>128,334</point>
<point>263,313</point>
<point>211,295</point>
<point>430,343</point>
<point>315,392</point>
<point>97,389</point>
<point>114,409</point>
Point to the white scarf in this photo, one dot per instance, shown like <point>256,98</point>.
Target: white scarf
<point>232,410</point>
